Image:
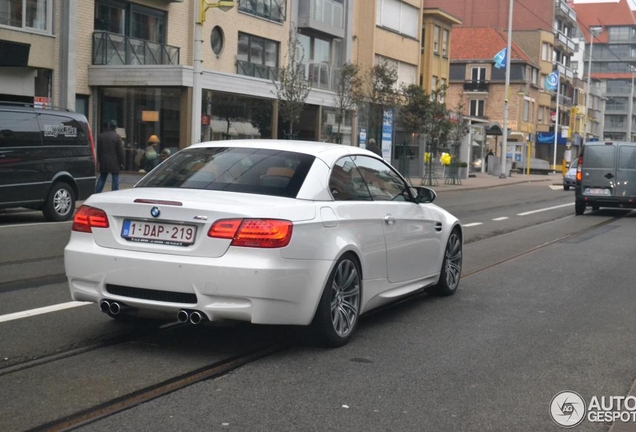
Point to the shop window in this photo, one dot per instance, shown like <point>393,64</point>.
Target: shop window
<point>229,116</point>
<point>27,14</point>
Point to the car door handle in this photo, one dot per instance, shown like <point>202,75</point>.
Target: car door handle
<point>438,226</point>
<point>609,176</point>
<point>390,220</point>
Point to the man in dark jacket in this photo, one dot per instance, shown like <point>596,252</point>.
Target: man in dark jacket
<point>110,157</point>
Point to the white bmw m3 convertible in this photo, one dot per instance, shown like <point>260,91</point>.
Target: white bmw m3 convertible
<point>264,231</point>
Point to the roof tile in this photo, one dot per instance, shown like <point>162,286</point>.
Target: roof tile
<point>482,43</point>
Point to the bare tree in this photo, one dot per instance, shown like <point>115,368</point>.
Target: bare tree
<point>437,129</point>
<point>348,93</point>
<point>381,95</point>
<point>292,88</point>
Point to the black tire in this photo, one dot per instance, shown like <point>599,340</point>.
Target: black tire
<point>451,266</point>
<point>60,204</point>
<point>579,208</point>
<point>566,187</point>
<point>339,308</point>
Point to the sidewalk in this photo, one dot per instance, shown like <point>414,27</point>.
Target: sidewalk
<point>486,181</point>
<point>481,181</point>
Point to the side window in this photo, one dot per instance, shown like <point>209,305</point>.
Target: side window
<point>383,182</point>
<point>19,129</point>
<point>346,183</point>
<point>61,131</point>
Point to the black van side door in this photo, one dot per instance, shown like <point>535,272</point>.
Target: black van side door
<point>626,173</point>
<point>21,175</point>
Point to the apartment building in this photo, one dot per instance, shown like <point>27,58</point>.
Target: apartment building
<point>480,86</point>
<point>613,62</point>
<point>437,28</point>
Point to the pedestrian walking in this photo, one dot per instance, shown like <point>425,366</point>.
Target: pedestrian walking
<point>374,147</point>
<point>110,157</point>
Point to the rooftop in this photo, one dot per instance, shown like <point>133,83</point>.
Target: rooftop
<point>482,43</point>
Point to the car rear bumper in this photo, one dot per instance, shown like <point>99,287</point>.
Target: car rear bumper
<point>254,285</point>
<point>628,202</point>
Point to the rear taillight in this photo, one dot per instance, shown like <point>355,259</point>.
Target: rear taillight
<point>257,233</point>
<point>579,174</point>
<point>88,217</point>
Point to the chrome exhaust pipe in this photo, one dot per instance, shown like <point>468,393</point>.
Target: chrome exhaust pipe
<point>115,308</point>
<point>104,306</point>
<point>195,318</point>
<point>183,316</point>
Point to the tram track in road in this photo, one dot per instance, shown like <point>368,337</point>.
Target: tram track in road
<point>232,362</point>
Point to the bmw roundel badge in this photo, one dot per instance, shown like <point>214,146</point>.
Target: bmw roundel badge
<point>155,212</point>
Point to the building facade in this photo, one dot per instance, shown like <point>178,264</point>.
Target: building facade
<point>613,62</point>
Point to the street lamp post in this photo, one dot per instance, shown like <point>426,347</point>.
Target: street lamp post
<point>200,8</point>
<point>593,32</point>
<point>504,141</point>
<point>631,108</point>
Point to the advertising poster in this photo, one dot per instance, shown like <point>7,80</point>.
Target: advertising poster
<point>387,135</point>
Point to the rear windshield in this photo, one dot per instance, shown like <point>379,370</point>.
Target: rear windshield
<point>599,156</point>
<point>233,169</point>
<point>627,158</point>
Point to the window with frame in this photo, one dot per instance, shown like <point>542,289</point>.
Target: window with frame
<point>436,31</point>
<point>477,107</point>
<point>546,52</point>
<point>535,76</point>
<point>406,73</point>
<point>398,16</point>
<point>526,110</point>
<point>445,36</point>
<point>130,19</point>
<point>36,15</point>
<point>443,90</point>
<point>478,74</point>
<point>540,115</point>
<point>275,10</point>
<point>256,56</point>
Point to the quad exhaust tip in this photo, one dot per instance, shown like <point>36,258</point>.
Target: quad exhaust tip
<point>193,317</point>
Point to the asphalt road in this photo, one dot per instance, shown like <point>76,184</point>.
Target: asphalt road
<point>539,311</point>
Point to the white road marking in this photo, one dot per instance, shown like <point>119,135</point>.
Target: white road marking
<point>500,218</point>
<point>544,209</point>
<point>40,311</point>
<point>472,224</point>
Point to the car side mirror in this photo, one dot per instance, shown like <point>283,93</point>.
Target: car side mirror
<point>424,195</point>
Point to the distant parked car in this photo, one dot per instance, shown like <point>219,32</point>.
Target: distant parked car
<point>264,231</point>
<point>47,159</point>
<point>569,178</point>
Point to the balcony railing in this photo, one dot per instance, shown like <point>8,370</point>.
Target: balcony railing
<point>476,86</point>
<point>565,71</point>
<point>562,6</point>
<point>322,75</point>
<point>566,41</point>
<point>116,49</point>
<point>563,100</point>
<point>274,10</point>
<point>256,70</point>
<point>329,12</point>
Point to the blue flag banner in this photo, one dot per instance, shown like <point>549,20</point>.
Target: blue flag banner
<point>552,81</point>
<point>500,58</point>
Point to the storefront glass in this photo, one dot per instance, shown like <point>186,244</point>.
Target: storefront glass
<point>334,128</point>
<point>142,112</point>
<point>229,116</point>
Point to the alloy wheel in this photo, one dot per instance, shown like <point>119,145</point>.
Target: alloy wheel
<point>453,261</point>
<point>345,298</point>
<point>62,202</point>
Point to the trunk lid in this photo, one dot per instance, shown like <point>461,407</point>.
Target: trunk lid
<point>177,211</point>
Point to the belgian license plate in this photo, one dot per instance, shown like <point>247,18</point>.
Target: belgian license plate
<point>596,191</point>
<point>158,233</point>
